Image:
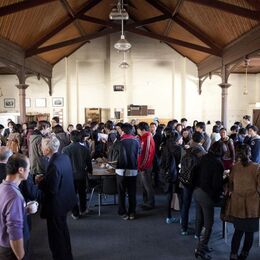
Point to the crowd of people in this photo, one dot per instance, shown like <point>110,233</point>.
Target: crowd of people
<point>42,163</point>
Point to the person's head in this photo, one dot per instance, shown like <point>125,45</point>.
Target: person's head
<point>5,153</point>
<point>50,145</point>
<point>197,137</point>
<point>18,165</point>
<point>215,129</point>
<point>176,136</point>
<point>239,125</point>
<point>142,128</point>
<point>127,128</point>
<point>218,123</point>
<point>223,132</point>
<point>133,122</point>
<point>186,134</point>
<point>79,127</point>
<point>200,127</point>
<point>24,126</point>
<point>168,132</point>
<point>55,121</point>
<point>44,127</point>
<point>32,125</point>
<point>12,126</point>
<point>234,129</point>
<point>243,154</point>
<point>75,136</point>
<point>70,128</point>
<point>109,126</point>
<point>174,122</point>
<point>217,149</point>
<point>119,128</point>
<point>58,129</point>
<point>252,130</point>
<point>153,128</point>
<point>195,122</point>
<point>242,131</point>
<point>178,128</point>
<point>246,119</point>
<point>184,122</point>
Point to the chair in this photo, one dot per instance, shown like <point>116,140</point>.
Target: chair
<point>108,187</point>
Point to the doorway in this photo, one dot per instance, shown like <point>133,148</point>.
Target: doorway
<point>256,118</point>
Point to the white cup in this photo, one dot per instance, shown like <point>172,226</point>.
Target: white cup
<point>32,207</point>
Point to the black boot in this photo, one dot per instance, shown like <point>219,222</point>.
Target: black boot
<point>202,248</point>
<point>243,255</point>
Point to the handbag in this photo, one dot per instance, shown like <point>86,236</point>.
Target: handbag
<point>225,209</point>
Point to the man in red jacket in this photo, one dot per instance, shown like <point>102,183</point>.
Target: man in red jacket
<point>145,164</point>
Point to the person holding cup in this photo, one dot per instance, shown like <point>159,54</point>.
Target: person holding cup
<point>12,210</point>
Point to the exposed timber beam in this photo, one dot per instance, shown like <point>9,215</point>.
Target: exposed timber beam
<point>184,24</point>
<point>70,42</point>
<point>229,8</point>
<point>62,25</point>
<point>24,5</point>
<point>174,41</point>
<point>131,25</point>
<point>70,12</point>
<point>243,46</point>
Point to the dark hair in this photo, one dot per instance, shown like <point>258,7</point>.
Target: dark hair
<point>152,124</point>
<point>79,127</point>
<point>223,129</point>
<point>56,119</point>
<point>253,127</point>
<point>243,153</point>
<point>119,124</point>
<point>170,124</point>
<point>197,137</point>
<point>242,131</point>
<point>183,120</point>
<point>15,162</point>
<point>168,131</point>
<point>234,128</point>
<point>217,149</point>
<point>32,125</point>
<point>75,136</point>
<point>178,125</point>
<point>215,129</point>
<point>201,125</point>
<point>218,123</point>
<point>58,129</point>
<point>143,126</point>
<point>127,128</point>
<point>247,117</point>
<point>109,125</point>
<point>1,127</point>
<point>238,124</point>
<point>43,124</point>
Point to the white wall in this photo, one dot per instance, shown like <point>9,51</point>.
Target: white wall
<point>158,77</point>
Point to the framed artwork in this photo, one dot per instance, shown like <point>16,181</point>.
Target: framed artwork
<point>40,102</point>
<point>27,102</point>
<point>9,102</point>
<point>57,102</point>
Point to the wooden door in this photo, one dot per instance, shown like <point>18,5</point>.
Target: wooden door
<point>256,118</point>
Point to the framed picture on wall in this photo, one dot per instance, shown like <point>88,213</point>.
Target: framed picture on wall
<point>57,102</point>
<point>27,102</point>
<point>40,102</point>
<point>9,102</point>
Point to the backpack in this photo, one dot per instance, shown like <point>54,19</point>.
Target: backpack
<point>117,156</point>
<point>188,163</point>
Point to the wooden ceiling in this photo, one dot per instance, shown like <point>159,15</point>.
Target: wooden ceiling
<point>197,29</point>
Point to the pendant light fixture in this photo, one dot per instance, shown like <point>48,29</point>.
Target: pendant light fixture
<point>124,64</point>
<point>119,12</point>
<point>122,44</point>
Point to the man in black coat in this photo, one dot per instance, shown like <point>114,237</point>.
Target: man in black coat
<point>81,166</point>
<point>58,198</point>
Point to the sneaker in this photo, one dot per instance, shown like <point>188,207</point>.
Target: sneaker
<point>74,217</point>
<point>184,233</point>
<point>125,217</point>
<point>171,220</point>
<point>84,213</point>
<point>132,216</point>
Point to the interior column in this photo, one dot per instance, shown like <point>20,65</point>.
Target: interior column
<point>22,88</point>
<point>224,104</point>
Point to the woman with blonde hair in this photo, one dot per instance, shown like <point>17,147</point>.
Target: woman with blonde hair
<point>244,207</point>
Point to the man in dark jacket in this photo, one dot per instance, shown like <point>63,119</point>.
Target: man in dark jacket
<point>127,149</point>
<point>201,128</point>
<point>58,198</point>
<point>254,143</point>
<point>81,165</point>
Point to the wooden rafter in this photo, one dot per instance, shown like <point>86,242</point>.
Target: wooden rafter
<point>70,42</point>
<point>64,24</point>
<point>70,12</point>
<point>244,45</point>
<point>21,6</point>
<point>229,8</point>
<point>186,25</point>
<point>174,41</point>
